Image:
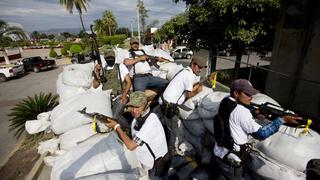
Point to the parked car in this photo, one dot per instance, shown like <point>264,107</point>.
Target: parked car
<point>181,52</point>
<point>81,59</point>
<point>37,64</point>
<point>10,71</point>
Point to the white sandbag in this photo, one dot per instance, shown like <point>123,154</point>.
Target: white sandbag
<point>267,168</point>
<point>158,73</point>
<point>99,154</point>
<point>290,148</point>
<point>208,124</point>
<point>190,112</point>
<point>50,145</point>
<point>148,49</point>
<point>112,175</point>
<point>209,105</point>
<point>72,138</point>
<point>65,116</point>
<point>42,123</point>
<point>171,69</point>
<point>78,75</point>
<point>195,127</point>
<point>65,91</point>
<point>164,54</point>
<point>120,54</point>
<point>261,98</point>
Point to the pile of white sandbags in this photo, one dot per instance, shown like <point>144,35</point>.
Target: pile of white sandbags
<point>74,79</point>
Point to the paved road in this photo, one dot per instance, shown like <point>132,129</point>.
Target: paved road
<point>13,91</point>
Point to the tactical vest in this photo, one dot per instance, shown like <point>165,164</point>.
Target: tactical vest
<point>113,82</point>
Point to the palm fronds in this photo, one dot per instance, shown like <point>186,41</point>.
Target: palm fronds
<point>28,109</point>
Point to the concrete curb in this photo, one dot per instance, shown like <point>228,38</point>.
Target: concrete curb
<point>37,168</point>
<point>16,148</point>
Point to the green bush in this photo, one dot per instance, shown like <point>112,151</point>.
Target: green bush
<point>52,53</point>
<point>64,52</point>
<point>28,109</point>
<point>112,40</point>
<point>76,48</point>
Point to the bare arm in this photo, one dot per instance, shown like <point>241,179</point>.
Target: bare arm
<point>196,89</point>
<point>96,82</point>
<point>126,89</point>
<point>130,144</point>
<point>128,61</point>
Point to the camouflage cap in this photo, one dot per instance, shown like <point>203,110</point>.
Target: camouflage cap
<point>109,53</point>
<point>137,99</point>
<point>134,40</point>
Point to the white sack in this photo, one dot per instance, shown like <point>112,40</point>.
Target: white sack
<point>50,145</point>
<point>148,49</point>
<point>290,148</point>
<point>158,73</point>
<point>121,54</point>
<point>78,75</point>
<point>209,105</point>
<point>99,154</point>
<point>192,103</point>
<point>208,124</point>
<point>65,116</point>
<point>72,138</point>
<point>65,91</point>
<point>161,53</point>
<point>42,123</point>
<point>267,168</point>
<point>262,98</point>
<point>170,68</point>
<point>112,175</point>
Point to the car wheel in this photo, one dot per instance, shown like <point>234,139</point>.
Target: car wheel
<point>3,78</point>
<point>36,69</point>
<point>188,56</point>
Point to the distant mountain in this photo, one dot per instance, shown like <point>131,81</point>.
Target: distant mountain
<point>61,30</point>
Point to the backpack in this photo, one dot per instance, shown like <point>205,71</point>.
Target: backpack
<point>222,131</point>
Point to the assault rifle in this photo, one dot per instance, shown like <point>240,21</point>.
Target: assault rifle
<point>272,111</point>
<point>96,56</point>
<point>103,118</point>
<point>152,60</point>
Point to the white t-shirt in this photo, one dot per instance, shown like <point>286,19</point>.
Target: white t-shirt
<point>241,125</point>
<point>152,133</point>
<point>141,67</point>
<point>181,83</point>
<point>123,70</point>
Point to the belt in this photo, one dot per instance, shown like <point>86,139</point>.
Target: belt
<point>142,75</point>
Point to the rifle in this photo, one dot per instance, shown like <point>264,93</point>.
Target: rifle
<point>272,111</point>
<point>103,118</point>
<point>152,60</point>
<point>96,56</point>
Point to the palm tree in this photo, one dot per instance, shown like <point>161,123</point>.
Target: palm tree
<point>81,5</point>
<point>5,31</point>
<point>109,21</point>
<point>99,27</point>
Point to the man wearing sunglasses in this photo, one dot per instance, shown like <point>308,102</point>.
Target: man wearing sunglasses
<point>232,125</point>
<point>117,79</point>
<point>140,69</point>
<point>184,85</point>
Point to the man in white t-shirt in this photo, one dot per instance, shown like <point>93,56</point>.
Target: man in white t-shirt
<point>183,86</point>
<point>140,69</point>
<point>117,79</point>
<point>148,137</point>
<point>232,125</point>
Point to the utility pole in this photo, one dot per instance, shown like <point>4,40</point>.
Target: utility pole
<point>131,29</point>
<point>138,19</point>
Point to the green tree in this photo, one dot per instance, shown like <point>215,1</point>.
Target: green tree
<point>99,27</point>
<point>109,22</point>
<point>51,36</point>
<point>5,31</point>
<point>52,53</point>
<point>143,12</point>
<point>76,48</point>
<point>217,24</point>
<point>123,30</point>
<point>80,5</point>
<point>35,35</point>
<point>66,34</point>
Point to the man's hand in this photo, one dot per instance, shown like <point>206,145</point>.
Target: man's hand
<point>161,59</point>
<point>97,69</point>
<point>142,58</point>
<point>291,119</point>
<point>111,123</point>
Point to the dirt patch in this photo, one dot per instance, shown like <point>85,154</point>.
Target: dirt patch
<point>22,161</point>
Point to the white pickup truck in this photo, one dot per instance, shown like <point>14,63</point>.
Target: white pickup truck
<point>10,71</point>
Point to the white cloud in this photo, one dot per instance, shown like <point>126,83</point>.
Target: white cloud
<point>47,14</point>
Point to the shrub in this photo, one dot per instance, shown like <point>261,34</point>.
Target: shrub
<point>64,52</point>
<point>112,40</point>
<point>76,48</point>
<point>52,53</point>
<point>28,109</point>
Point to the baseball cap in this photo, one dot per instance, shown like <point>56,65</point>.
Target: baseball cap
<point>109,53</point>
<point>200,61</point>
<point>244,86</point>
<point>137,99</point>
<point>134,40</point>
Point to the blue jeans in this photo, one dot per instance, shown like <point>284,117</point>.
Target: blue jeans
<point>143,83</point>
<point>228,171</point>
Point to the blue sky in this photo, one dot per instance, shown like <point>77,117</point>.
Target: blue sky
<point>48,14</point>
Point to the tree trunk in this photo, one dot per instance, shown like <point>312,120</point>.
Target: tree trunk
<point>82,22</point>
<point>239,50</point>
<point>109,30</point>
